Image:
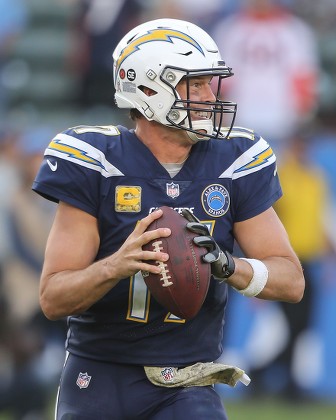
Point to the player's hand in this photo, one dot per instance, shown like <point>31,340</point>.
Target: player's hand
<point>222,263</point>
<point>131,258</point>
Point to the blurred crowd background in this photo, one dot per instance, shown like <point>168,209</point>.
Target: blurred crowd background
<point>56,72</point>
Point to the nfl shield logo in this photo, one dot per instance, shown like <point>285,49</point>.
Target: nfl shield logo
<point>83,380</point>
<point>172,190</point>
<point>168,374</point>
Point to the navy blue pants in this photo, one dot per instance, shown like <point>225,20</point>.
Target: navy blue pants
<point>91,390</point>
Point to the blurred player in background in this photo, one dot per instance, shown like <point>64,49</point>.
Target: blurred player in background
<point>108,181</point>
<point>302,210</point>
<point>96,33</point>
<point>31,347</point>
<point>275,58</point>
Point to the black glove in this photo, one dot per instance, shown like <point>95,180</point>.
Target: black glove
<point>222,263</point>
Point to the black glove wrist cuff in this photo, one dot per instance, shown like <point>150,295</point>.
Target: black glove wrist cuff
<point>229,268</point>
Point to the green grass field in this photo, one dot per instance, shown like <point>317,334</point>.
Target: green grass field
<point>273,409</point>
<point>262,409</point>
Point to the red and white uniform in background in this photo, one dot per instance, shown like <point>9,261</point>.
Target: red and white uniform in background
<point>275,62</point>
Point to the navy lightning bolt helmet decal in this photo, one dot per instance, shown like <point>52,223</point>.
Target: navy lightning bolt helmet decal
<point>252,160</point>
<point>77,151</point>
<point>162,34</point>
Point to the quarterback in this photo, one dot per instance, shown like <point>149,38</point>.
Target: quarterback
<point>126,357</point>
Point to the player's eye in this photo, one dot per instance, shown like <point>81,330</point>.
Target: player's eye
<point>195,85</point>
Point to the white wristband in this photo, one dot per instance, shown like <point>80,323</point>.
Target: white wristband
<point>259,278</point>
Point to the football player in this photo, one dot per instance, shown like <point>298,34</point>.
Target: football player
<point>127,358</point>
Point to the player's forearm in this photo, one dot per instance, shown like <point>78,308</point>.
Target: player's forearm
<point>72,292</point>
<point>285,278</point>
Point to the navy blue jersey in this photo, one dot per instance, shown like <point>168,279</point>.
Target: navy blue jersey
<point>109,173</point>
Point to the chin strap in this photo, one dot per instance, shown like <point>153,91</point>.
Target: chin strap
<point>205,126</point>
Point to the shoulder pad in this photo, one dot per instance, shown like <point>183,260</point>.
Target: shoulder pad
<point>84,146</point>
<point>243,132</point>
<point>106,130</point>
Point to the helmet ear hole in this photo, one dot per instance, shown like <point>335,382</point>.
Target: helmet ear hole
<point>147,91</point>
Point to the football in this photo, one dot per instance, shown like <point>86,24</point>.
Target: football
<point>183,283</point>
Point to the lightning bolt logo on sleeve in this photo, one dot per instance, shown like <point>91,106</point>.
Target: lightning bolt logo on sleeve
<point>77,151</point>
<point>258,160</point>
<point>252,160</point>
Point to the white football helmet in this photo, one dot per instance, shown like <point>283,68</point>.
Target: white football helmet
<point>157,55</point>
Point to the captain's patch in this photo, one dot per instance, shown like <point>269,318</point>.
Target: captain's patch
<point>127,199</point>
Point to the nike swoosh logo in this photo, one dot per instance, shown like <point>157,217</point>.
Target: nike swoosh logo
<point>52,166</point>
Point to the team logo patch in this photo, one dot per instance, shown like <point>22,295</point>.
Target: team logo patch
<point>83,380</point>
<point>127,199</point>
<point>215,200</point>
<point>172,190</point>
<point>168,374</point>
